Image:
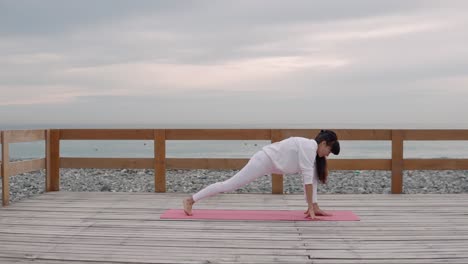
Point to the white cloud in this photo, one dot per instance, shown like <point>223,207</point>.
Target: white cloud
<point>147,77</point>
<point>31,58</point>
<point>153,78</point>
<point>380,32</point>
<point>50,94</point>
<point>28,95</point>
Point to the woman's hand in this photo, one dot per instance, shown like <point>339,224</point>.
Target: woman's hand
<point>317,211</point>
<point>310,213</point>
<point>322,213</point>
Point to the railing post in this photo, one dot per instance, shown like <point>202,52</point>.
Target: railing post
<point>5,169</point>
<point>276,179</point>
<point>53,160</point>
<point>397,161</point>
<point>160,160</point>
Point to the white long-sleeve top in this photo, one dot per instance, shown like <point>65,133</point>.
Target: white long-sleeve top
<point>296,155</point>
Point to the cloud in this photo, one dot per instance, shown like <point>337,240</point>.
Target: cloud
<point>34,58</point>
<point>155,79</point>
<point>34,94</point>
<point>380,32</point>
<point>207,76</point>
<point>198,56</point>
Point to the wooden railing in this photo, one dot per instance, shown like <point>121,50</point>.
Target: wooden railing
<point>13,168</point>
<point>53,162</point>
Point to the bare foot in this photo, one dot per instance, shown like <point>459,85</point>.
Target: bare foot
<point>188,203</point>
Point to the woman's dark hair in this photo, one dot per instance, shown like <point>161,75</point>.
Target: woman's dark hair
<point>321,162</point>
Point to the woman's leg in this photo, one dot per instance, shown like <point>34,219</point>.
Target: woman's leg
<point>259,165</point>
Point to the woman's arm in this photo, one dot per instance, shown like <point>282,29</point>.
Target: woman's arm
<point>309,197</point>
<point>312,205</point>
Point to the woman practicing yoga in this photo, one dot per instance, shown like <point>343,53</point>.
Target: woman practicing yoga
<point>292,155</point>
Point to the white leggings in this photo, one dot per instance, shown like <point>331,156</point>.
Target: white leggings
<point>260,164</point>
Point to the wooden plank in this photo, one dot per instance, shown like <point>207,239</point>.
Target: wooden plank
<point>18,136</point>
<point>435,164</point>
<point>205,163</point>
<point>397,161</point>
<point>107,163</point>
<point>63,227</point>
<point>446,260</point>
<point>53,160</point>
<point>436,134</point>
<point>364,134</point>
<point>237,134</point>
<point>286,133</point>
<point>160,160</point>
<point>277,181</point>
<point>5,168</point>
<point>18,167</point>
<point>218,134</point>
<point>226,163</point>
<point>48,157</point>
<point>359,164</point>
<point>106,134</point>
<point>343,134</point>
<point>209,163</point>
<point>1,161</point>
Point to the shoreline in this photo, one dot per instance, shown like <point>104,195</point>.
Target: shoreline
<point>190,181</point>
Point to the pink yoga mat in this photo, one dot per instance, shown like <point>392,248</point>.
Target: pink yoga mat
<point>259,215</point>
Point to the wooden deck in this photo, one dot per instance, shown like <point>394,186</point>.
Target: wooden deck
<point>64,227</point>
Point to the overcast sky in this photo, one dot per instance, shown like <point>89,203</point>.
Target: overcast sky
<point>334,64</point>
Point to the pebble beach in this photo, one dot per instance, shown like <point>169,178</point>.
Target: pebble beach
<point>189,181</point>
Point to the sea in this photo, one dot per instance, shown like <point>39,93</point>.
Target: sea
<point>350,149</point>
<point>230,149</point>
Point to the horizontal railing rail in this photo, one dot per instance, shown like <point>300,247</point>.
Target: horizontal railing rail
<point>8,168</point>
<point>160,163</point>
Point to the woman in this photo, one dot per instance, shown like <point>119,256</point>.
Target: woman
<point>292,155</point>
